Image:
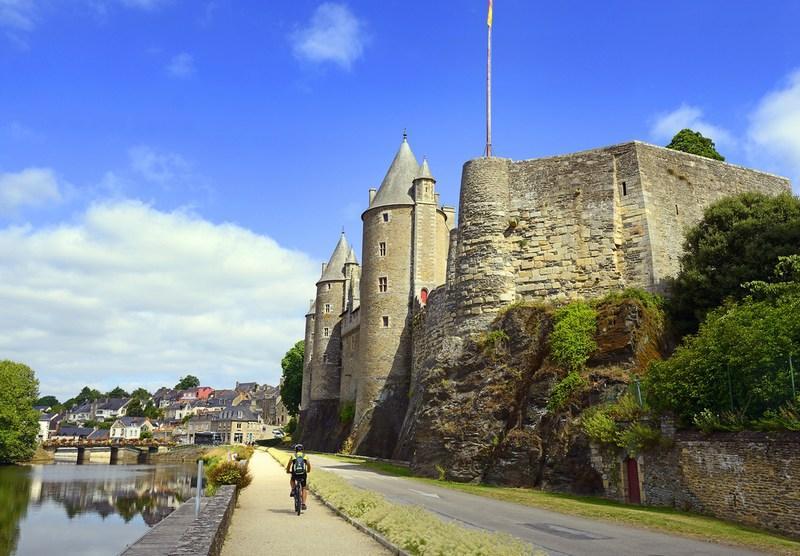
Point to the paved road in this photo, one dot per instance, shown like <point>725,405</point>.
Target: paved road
<point>264,521</point>
<point>555,533</point>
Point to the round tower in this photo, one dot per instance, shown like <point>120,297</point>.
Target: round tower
<point>386,293</point>
<point>484,277</point>
<point>326,356</point>
<point>308,343</point>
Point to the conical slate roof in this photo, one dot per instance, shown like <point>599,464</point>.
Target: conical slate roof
<point>313,308</point>
<point>424,170</point>
<point>396,186</point>
<point>351,257</point>
<point>335,268</point>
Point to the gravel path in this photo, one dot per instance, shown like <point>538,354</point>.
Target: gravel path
<point>264,521</point>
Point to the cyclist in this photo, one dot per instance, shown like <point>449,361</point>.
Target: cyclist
<point>299,467</point>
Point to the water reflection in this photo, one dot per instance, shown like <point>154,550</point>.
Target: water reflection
<point>85,509</point>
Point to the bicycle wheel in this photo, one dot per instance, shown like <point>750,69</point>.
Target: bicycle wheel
<point>298,500</point>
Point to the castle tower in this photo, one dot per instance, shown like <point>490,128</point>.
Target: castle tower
<point>305,395</point>
<point>326,356</point>
<point>430,235</point>
<point>350,332</point>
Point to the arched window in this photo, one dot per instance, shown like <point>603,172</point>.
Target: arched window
<point>423,296</point>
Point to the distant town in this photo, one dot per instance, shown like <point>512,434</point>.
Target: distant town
<point>245,414</point>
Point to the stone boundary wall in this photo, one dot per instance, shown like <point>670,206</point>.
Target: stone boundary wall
<point>749,477</point>
<point>180,534</point>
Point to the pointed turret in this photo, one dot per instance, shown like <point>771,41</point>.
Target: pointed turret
<point>351,257</point>
<point>425,171</point>
<point>396,186</point>
<point>334,270</point>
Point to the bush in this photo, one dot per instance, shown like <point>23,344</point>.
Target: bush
<point>572,339</point>
<point>229,473</point>
<point>738,363</point>
<point>291,426</point>
<point>599,427</point>
<point>638,437</point>
<point>565,390</point>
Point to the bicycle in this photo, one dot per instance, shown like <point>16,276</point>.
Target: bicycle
<point>297,494</point>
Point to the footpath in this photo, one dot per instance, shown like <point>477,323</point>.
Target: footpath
<point>264,520</point>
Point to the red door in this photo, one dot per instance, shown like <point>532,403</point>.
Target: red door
<point>632,467</point>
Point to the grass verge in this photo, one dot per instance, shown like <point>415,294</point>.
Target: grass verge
<point>665,520</point>
<point>415,530</point>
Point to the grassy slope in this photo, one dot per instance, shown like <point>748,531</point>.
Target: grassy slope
<point>666,520</point>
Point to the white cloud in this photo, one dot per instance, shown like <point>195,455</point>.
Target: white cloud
<point>667,124</point>
<point>29,187</point>
<point>181,65</point>
<point>158,167</point>
<point>18,14</point>
<point>774,132</point>
<point>334,34</point>
<point>131,295</point>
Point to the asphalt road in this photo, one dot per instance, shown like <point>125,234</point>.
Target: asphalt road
<point>557,534</point>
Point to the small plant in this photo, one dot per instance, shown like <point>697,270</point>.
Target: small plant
<point>229,473</point>
<point>626,408</point>
<point>572,340</point>
<point>291,426</point>
<point>441,471</point>
<point>491,342</point>
<point>564,391</point>
<point>599,427</point>
<point>347,412</point>
<point>638,437</point>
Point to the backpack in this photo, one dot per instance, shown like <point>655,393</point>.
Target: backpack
<point>299,464</point>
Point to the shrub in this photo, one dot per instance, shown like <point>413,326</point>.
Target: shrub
<point>229,473</point>
<point>491,342</point>
<point>599,427</point>
<point>291,426</point>
<point>572,339</point>
<point>626,408</point>
<point>654,305</point>
<point>690,141</point>
<point>564,391</point>
<point>638,437</point>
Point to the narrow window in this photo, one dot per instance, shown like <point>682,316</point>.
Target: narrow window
<point>383,284</point>
<point>676,210</point>
<point>382,249</point>
<point>324,357</point>
<point>385,216</point>
<point>385,321</point>
<point>624,188</point>
<point>328,286</point>
<point>327,307</point>
<point>326,332</point>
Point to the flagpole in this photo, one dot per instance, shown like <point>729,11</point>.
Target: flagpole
<point>489,88</point>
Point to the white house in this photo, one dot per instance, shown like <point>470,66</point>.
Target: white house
<point>112,408</point>
<point>130,428</point>
<point>44,426</point>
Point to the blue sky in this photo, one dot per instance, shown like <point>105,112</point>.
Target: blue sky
<point>267,122</point>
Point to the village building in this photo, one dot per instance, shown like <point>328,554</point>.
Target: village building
<point>130,428</point>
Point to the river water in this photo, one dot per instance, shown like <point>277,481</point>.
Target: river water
<point>92,509</point>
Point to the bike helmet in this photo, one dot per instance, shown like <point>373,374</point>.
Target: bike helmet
<point>298,448</point>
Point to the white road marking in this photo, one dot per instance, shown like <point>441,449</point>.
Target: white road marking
<point>428,494</point>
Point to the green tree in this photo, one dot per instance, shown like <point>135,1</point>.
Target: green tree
<point>19,422</point>
<point>292,383</point>
<point>48,401</point>
<point>87,395</point>
<point>117,393</point>
<point>15,490</point>
<point>135,408</point>
<point>141,394</point>
<point>186,382</point>
<point>739,240</point>
<point>152,411</point>
<point>693,142</point>
<point>737,363</point>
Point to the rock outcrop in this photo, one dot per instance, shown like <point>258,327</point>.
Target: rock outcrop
<point>478,412</point>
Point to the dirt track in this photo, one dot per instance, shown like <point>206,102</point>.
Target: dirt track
<point>264,521</point>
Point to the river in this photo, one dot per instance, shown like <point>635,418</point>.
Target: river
<point>92,509</point>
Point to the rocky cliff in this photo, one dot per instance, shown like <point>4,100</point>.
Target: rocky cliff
<point>479,409</point>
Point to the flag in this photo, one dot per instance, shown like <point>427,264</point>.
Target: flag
<point>489,16</point>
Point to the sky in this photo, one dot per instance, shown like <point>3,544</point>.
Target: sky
<point>172,172</point>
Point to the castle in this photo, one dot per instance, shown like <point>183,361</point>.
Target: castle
<point>558,228</point>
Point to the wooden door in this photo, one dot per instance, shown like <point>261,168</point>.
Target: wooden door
<point>632,469</point>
